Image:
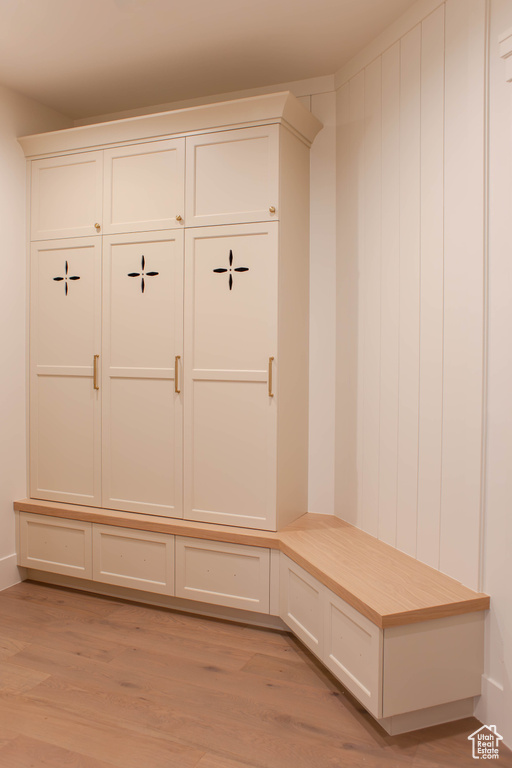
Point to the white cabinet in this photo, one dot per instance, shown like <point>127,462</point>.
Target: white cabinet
<point>232,176</point>
<point>233,575</point>
<point>169,353</point>
<point>142,352</point>
<point>66,198</point>
<point>65,415</point>
<point>135,559</point>
<point>301,600</point>
<point>55,545</point>
<point>353,652</point>
<point>144,187</point>
<point>230,338</point>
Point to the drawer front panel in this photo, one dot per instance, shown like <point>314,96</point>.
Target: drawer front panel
<point>301,604</point>
<point>136,559</point>
<point>233,575</point>
<point>56,545</point>
<point>353,652</point>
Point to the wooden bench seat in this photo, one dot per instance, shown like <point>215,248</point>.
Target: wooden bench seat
<point>384,585</point>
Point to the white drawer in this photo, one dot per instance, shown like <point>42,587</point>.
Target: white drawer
<point>233,575</point>
<point>353,652</point>
<point>131,558</point>
<point>301,604</point>
<point>56,545</point>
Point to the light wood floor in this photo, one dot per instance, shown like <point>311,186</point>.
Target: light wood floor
<point>90,682</point>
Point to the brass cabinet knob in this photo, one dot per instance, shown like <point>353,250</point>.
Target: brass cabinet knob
<point>178,218</point>
<point>97,226</point>
<point>272,209</point>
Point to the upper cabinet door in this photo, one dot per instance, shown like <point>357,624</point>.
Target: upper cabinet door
<point>67,196</point>
<point>232,177</point>
<point>144,187</point>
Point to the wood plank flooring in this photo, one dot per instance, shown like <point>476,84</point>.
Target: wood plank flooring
<point>93,682</point>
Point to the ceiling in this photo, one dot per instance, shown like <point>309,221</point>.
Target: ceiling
<point>90,57</point>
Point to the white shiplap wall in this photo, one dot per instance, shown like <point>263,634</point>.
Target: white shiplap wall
<point>410,289</point>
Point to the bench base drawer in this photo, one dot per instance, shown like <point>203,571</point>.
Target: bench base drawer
<point>131,558</point>
<point>55,545</point>
<point>233,575</point>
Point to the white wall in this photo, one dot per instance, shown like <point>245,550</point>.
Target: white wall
<point>495,705</point>
<point>18,116</point>
<point>410,324</point>
<point>423,428</point>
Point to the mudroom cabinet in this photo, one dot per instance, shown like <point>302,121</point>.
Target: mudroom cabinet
<point>169,313</point>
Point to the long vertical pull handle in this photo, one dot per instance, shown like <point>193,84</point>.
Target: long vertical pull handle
<point>176,372</point>
<point>270,361</point>
<point>95,370</point>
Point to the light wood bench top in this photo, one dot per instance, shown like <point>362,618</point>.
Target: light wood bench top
<point>385,585</point>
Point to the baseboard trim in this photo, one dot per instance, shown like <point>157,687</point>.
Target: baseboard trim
<point>9,571</point>
<point>424,718</point>
<point>493,706</point>
<point>163,601</point>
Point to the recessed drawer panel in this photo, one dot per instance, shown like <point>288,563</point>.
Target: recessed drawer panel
<point>56,545</point>
<point>353,652</point>
<point>233,575</point>
<point>301,604</point>
<point>137,559</point>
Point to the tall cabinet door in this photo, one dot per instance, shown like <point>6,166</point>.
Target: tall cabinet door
<point>144,187</point>
<point>230,336</point>
<point>67,196</point>
<point>65,415</point>
<point>142,353</point>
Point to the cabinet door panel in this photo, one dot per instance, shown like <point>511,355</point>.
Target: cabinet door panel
<point>66,195</point>
<point>144,186</point>
<point>232,441</point>
<point>136,559</point>
<point>231,320</point>
<point>232,176</point>
<point>65,418</point>
<point>353,652</point>
<point>142,412</point>
<point>55,545</point>
<point>233,575</point>
<point>302,604</point>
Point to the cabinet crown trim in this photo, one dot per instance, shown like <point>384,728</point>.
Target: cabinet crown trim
<point>281,107</point>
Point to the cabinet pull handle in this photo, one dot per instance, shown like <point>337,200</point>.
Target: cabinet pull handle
<point>95,372</point>
<point>97,226</point>
<point>176,371</point>
<point>270,361</point>
<point>179,218</point>
<point>272,209</point>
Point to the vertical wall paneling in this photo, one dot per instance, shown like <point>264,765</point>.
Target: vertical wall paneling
<point>431,295</point>
<point>463,289</point>
<point>390,296</point>
<point>358,147</point>
<point>370,291</point>
<point>410,290</point>
<point>322,336</point>
<point>347,207</point>
<point>410,77</point>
